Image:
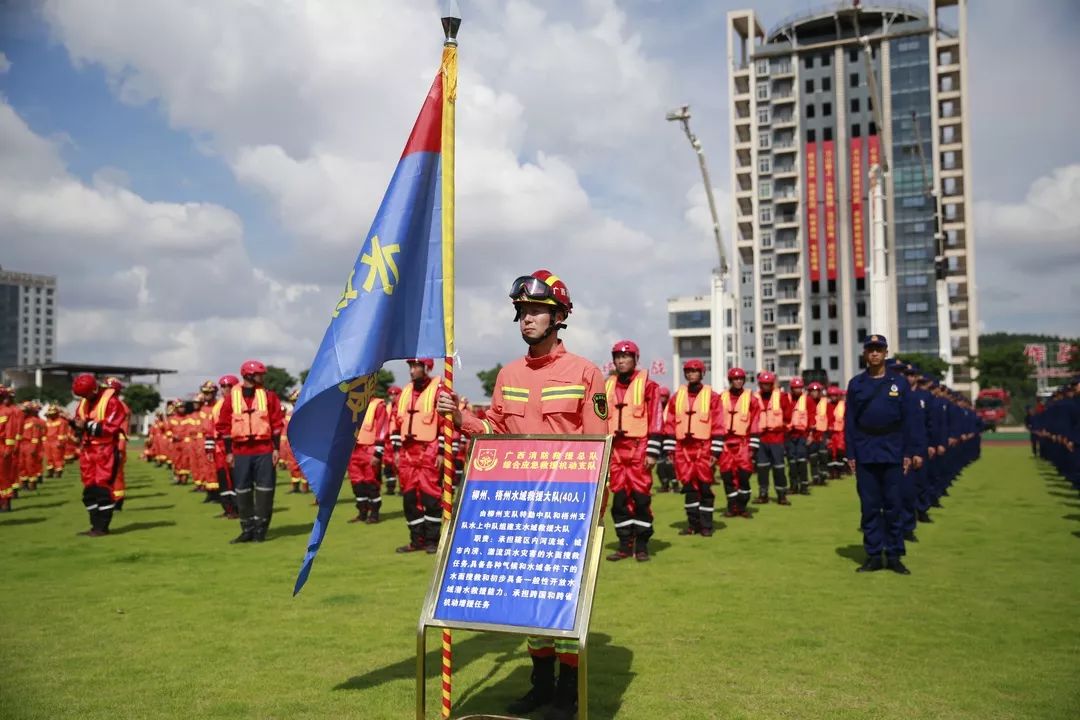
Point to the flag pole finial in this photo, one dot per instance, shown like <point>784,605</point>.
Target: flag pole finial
<point>451,21</point>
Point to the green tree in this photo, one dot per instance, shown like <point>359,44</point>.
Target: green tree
<point>487,379</point>
<point>1074,356</point>
<point>303,375</point>
<point>142,399</point>
<point>931,365</point>
<point>383,381</point>
<point>1007,367</point>
<point>279,380</point>
<point>52,393</point>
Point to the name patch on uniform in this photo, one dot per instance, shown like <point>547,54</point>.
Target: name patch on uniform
<point>600,407</point>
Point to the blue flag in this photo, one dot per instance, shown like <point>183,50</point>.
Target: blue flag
<point>397,303</point>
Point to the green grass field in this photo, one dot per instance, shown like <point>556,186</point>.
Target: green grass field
<point>165,619</point>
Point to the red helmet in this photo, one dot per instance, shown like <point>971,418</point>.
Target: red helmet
<point>797,383</point>
<point>766,378</point>
<point>227,381</point>
<point>252,367</point>
<point>693,365</point>
<point>815,386</point>
<point>208,387</point>
<point>736,373</point>
<point>833,391</point>
<point>542,286</point>
<point>393,391</point>
<point>84,385</point>
<point>665,391</point>
<point>426,362</point>
<point>626,346</point>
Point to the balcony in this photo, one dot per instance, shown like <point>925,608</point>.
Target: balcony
<point>788,322</point>
<point>788,298</point>
<point>788,270</point>
<point>783,147</point>
<point>787,170</point>
<point>783,97</point>
<point>786,196</point>
<point>781,70</point>
<point>787,220</point>
<point>789,348</point>
<point>784,120</point>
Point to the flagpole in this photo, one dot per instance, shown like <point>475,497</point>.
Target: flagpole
<point>451,21</point>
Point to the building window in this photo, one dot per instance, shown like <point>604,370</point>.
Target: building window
<point>766,238</point>
<point>815,311</point>
<point>765,189</point>
<point>810,85</point>
<point>856,130</point>
<point>860,309</point>
<point>810,110</point>
<point>762,67</point>
<point>748,353</point>
<point>747,303</point>
<point>770,364</point>
<point>810,135</point>
<point>689,319</point>
<point>853,55</point>
<point>860,335</point>
<point>766,265</point>
<point>768,315</point>
<point>826,109</point>
<point>817,364</point>
<point>766,289</point>
<point>853,79</point>
<point>918,333</point>
<point>860,284</point>
<point>764,164</point>
<point>808,61</point>
<point>854,105</point>
<point>763,115</point>
<point>826,84</point>
<point>827,134</point>
<point>748,327</point>
<point>917,307</point>
<point>765,214</point>
<point>768,340</point>
<point>832,311</point>
<point>826,59</point>
<point>834,363</point>
<point>815,337</point>
<point>747,277</point>
<point>763,91</point>
<point>915,280</point>
<point>873,128</point>
<point>764,138</point>
<point>834,337</point>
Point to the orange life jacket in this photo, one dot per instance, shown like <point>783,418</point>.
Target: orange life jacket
<point>736,413</point>
<point>421,424</point>
<point>629,420</point>
<point>838,416</point>
<point>799,419</point>
<point>698,418</point>
<point>250,423</point>
<point>772,412</point>
<point>366,434</point>
<point>98,413</point>
<point>821,417</point>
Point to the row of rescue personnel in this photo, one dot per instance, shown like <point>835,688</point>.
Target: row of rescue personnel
<point>1054,427</point>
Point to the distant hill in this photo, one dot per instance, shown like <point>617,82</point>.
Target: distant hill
<point>991,341</point>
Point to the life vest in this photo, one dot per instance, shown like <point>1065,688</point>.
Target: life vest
<point>838,416</point>
<point>821,417</point>
<point>698,416</point>
<point>215,412</point>
<point>365,435</point>
<point>422,423</point>
<point>630,419</point>
<point>772,412</point>
<point>736,413</point>
<point>250,423</point>
<point>98,413</point>
<point>799,418</point>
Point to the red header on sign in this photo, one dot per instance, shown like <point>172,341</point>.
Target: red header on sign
<point>858,229</point>
<point>812,212</point>
<point>828,160</point>
<point>537,461</point>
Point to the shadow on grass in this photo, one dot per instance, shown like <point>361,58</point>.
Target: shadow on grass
<point>718,525</point>
<point>288,531</point>
<point>854,553</point>
<point>22,521</point>
<point>1073,516</point>
<point>1064,494</point>
<point>1076,533</point>
<point>42,506</point>
<point>145,495</point>
<point>609,673</point>
<point>655,546</point>
<point>136,527</point>
<point>150,507</point>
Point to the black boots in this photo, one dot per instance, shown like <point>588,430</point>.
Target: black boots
<point>247,532</point>
<point>542,691</point>
<point>565,705</point>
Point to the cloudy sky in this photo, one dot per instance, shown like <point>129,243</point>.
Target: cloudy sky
<point>198,173</point>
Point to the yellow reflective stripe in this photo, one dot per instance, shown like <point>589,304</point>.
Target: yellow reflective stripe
<point>487,427</point>
<point>566,647</point>
<point>539,643</point>
<point>567,395</point>
<point>515,392</point>
<point>562,391</point>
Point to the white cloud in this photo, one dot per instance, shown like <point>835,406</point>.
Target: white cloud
<point>5,64</point>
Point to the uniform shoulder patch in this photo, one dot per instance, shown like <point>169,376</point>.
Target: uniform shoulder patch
<point>600,407</point>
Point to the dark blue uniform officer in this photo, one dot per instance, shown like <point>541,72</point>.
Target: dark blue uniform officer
<point>882,440</point>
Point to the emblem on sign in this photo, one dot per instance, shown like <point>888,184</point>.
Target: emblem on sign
<point>486,459</point>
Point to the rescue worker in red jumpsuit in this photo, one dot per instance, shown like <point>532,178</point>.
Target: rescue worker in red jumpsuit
<point>389,464</point>
<point>365,464</point>
<point>519,406</point>
<point>692,436</point>
<point>31,446</point>
<point>835,419</point>
<point>418,431</point>
<point>288,459</point>
<point>10,419</point>
<point>775,415</point>
<point>119,488</point>
<point>635,420</point>
<point>665,469</point>
<point>204,451</point>
<point>798,432</point>
<point>100,420</point>
<point>56,432</point>
<point>740,416</point>
<point>250,424</point>
<point>215,446</point>
<point>817,446</point>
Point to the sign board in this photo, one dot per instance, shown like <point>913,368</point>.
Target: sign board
<point>524,543</point>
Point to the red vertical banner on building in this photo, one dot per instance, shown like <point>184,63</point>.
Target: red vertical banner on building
<point>812,212</point>
<point>858,226</point>
<point>873,152</point>
<point>828,160</point>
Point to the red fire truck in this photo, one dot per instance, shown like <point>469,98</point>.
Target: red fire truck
<point>992,405</point>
